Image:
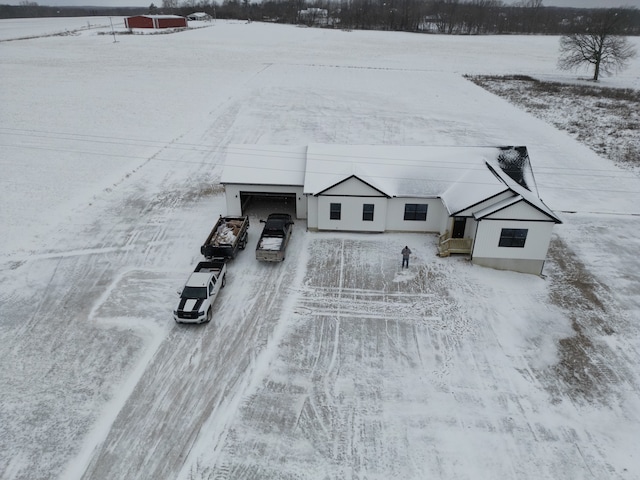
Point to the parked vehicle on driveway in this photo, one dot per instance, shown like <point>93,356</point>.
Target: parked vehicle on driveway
<point>228,236</point>
<point>200,291</point>
<point>274,238</point>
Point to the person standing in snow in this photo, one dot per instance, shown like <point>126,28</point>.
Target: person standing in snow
<point>405,256</point>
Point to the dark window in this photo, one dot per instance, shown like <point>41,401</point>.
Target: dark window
<point>415,211</point>
<point>334,211</point>
<point>367,212</point>
<point>194,292</point>
<point>513,237</point>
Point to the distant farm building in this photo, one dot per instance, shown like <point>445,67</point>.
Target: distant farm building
<point>199,17</point>
<point>314,17</point>
<point>155,21</point>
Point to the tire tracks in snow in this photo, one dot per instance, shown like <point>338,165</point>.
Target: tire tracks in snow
<point>135,225</point>
<point>324,396</point>
<point>196,380</point>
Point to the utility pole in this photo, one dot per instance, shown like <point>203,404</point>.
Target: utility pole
<point>112,31</point>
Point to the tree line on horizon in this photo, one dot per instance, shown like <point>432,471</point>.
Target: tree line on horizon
<point>454,17</point>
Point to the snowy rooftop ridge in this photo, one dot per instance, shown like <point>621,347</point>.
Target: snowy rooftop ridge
<point>392,169</point>
<point>264,164</point>
<point>158,16</point>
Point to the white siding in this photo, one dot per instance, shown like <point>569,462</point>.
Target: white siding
<point>514,264</point>
<point>522,211</point>
<point>232,195</point>
<point>351,214</point>
<point>301,204</point>
<point>471,228</point>
<point>312,213</point>
<point>446,222</point>
<point>488,237</point>
<point>435,214</point>
<point>484,204</point>
<point>352,187</point>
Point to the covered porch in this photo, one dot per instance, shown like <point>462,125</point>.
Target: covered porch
<point>448,245</point>
<point>457,237</point>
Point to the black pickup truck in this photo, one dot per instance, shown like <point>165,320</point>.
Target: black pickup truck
<point>274,238</point>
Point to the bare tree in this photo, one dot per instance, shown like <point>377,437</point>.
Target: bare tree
<point>601,45</point>
<point>477,15</point>
<point>531,10</point>
<point>448,15</point>
<point>169,4</point>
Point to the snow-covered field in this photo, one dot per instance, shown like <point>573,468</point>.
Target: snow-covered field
<point>335,363</point>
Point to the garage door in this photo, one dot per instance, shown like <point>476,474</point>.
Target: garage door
<point>261,204</point>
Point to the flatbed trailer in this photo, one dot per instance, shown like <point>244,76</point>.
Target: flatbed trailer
<point>227,237</point>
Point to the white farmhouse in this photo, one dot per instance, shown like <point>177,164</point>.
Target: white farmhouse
<point>199,17</point>
<point>482,201</point>
<point>314,16</point>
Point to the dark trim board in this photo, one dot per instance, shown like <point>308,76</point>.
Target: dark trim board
<point>455,214</point>
<point>352,196</point>
<point>349,178</point>
<point>513,220</point>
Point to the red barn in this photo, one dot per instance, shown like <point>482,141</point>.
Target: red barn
<point>155,21</point>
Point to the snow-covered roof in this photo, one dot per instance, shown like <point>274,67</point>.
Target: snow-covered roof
<point>400,171</point>
<point>158,16</point>
<point>529,196</point>
<point>461,176</point>
<point>472,187</point>
<point>496,207</point>
<point>264,165</point>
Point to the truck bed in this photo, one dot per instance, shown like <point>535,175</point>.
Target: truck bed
<point>274,238</point>
<point>271,243</point>
<point>210,267</point>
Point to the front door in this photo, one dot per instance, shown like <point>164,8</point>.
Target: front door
<point>459,224</point>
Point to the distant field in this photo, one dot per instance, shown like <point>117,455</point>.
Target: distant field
<point>605,119</point>
<point>22,28</point>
